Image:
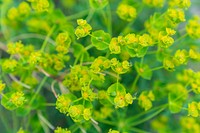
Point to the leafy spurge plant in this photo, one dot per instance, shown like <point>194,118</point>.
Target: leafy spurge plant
<point>99,66</point>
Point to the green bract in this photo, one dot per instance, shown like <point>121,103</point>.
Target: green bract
<point>95,66</point>
<point>100,39</point>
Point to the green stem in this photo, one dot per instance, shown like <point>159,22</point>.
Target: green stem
<point>78,15</point>
<point>89,47</point>
<point>109,24</point>
<point>134,118</point>
<point>91,13</point>
<point>4,120</point>
<point>32,35</point>
<point>47,38</point>
<point>14,120</point>
<point>148,117</point>
<point>38,89</point>
<point>137,130</point>
<point>157,68</point>
<point>133,86</point>
<point>107,122</point>
<point>44,120</point>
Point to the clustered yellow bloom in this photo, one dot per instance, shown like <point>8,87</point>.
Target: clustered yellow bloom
<point>40,5</point>
<point>63,42</point>
<point>154,3</point>
<point>61,130</point>
<point>18,99</point>
<point>9,65</point>
<point>126,12</point>
<point>15,48</point>
<point>180,3</point>
<point>120,67</point>
<point>145,100</point>
<point>21,11</point>
<point>193,27</point>
<point>83,28</point>
<point>194,109</point>
<point>189,125</point>
<point>99,64</point>
<point>136,45</point>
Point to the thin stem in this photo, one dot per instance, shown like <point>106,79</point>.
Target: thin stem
<point>78,15</point>
<point>52,88</point>
<point>14,120</point>
<point>47,37</point>
<point>90,15</point>
<point>137,130</point>
<point>89,47</point>
<point>33,35</point>
<point>4,120</point>
<point>107,122</point>
<point>148,117</point>
<point>49,104</point>
<point>109,24</point>
<point>38,89</point>
<point>19,82</point>
<point>134,118</point>
<point>157,68</point>
<point>44,120</point>
<point>133,86</point>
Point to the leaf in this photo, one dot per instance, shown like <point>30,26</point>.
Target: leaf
<point>143,70</point>
<point>98,4</point>
<point>175,106</point>
<point>115,89</point>
<point>139,53</point>
<point>100,39</point>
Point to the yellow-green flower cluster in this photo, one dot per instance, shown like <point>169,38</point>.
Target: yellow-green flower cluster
<point>63,42</point>
<point>120,67</point>
<point>79,113</point>
<point>154,3</point>
<point>83,28</point>
<point>180,57</point>
<point>87,93</point>
<point>176,15</point>
<point>15,48</point>
<point>126,12</point>
<point>9,65</point>
<point>35,58</point>
<point>63,102</point>
<point>19,12</point>
<point>79,76</point>
<point>194,109</point>
<point>2,86</point>
<point>117,94</point>
<point>136,45</point>
<point>165,39</point>
<point>193,27</point>
<point>179,3</point>
<point>40,5</point>
<point>99,64</point>
<point>189,125</point>
<point>61,130</point>
<point>18,99</point>
<point>145,99</point>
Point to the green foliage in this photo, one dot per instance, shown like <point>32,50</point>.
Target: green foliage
<point>116,66</point>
